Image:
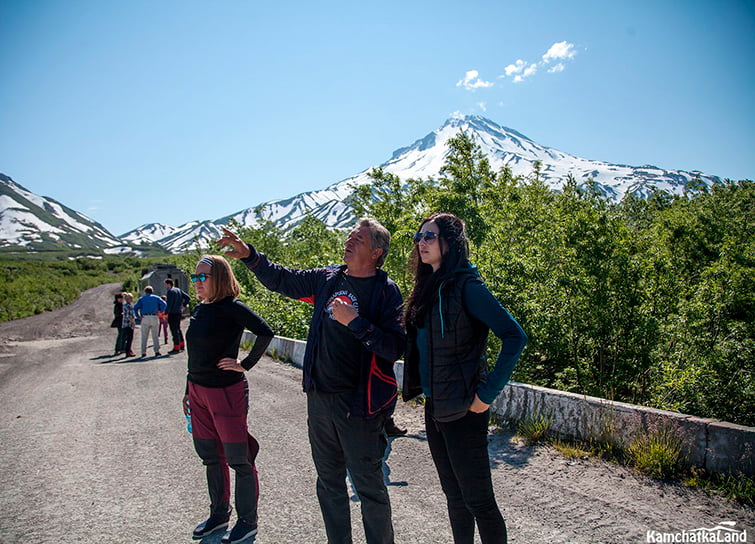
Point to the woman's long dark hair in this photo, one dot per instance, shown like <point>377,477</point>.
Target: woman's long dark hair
<point>455,254</point>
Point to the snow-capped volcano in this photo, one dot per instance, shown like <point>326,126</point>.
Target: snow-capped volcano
<point>425,157</point>
<point>422,159</point>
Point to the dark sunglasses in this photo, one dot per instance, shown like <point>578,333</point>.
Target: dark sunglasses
<point>428,236</point>
<point>199,277</point>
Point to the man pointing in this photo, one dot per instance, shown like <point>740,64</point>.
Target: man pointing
<point>355,336</point>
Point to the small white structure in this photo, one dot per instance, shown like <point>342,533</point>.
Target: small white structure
<point>157,275</point>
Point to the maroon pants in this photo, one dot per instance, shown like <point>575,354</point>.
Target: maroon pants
<point>222,440</point>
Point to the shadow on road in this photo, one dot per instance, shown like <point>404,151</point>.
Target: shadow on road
<point>101,357</point>
<point>502,449</point>
<point>120,359</point>
<point>213,538</point>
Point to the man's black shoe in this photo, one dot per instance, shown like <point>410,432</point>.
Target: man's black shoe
<point>174,351</point>
<point>391,429</point>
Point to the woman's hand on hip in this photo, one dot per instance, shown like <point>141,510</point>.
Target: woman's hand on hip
<point>478,406</point>
<point>231,364</point>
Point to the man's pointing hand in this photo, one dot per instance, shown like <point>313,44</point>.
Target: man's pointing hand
<point>239,248</point>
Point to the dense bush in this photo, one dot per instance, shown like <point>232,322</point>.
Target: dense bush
<point>648,300</point>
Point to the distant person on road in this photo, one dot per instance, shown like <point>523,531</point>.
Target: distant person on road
<point>162,318</point>
<point>129,323</point>
<point>116,323</point>
<point>448,315</point>
<point>354,338</point>
<point>217,396</point>
<point>177,300</point>
<point>147,308</point>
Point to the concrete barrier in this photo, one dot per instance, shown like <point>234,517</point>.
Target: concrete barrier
<point>716,446</point>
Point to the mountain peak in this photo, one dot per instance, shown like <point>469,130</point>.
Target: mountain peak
<point>504,147</point>
<point>35,222</point>
<point>458,120</point>
<point>483,125</point>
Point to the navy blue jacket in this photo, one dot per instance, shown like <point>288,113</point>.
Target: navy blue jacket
<point>379,328</point>
<point>175,298</point>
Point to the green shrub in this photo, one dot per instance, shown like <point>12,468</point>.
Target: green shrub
<point>657,454</point>
<point>534,428</point>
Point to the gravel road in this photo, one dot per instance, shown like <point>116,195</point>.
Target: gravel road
<point>95,450</point>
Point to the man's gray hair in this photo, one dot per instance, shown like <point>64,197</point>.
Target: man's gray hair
<point>379,235</point>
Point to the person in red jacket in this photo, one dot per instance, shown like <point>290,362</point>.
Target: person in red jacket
<point>163,327</point>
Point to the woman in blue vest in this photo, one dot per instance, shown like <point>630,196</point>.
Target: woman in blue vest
<point>448,316</point>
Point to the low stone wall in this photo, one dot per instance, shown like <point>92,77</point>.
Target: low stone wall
<point>716,446</point>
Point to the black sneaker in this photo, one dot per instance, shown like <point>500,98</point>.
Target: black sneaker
<point>212,524</point>
<point>240,533</point>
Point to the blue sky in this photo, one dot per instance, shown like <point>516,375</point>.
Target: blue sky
<point>169,111</point>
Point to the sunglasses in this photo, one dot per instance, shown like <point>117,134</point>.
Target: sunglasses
<point>199,277</point>
<point>428,236</point>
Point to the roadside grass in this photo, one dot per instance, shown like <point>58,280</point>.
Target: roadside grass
<point>738,488</point>
<point>656,454</point>
<point>534,429</point>
<point>571,450</point>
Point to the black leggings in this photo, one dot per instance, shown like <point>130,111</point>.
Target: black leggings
<point>127,335</point>
<point>460,453</point>
<point>174,323</point>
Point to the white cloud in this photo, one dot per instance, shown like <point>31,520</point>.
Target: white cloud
<point>483,106</point>
<point>531,70</point>
<point>560,50</point>
<point>472,81</point>
<point>557,68</point>
<point>515,68</point>
<point>521,69</point>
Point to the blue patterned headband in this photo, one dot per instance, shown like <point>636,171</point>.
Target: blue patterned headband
<point>206,260</point>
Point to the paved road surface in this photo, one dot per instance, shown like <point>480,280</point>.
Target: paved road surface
<point>94,450</point>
